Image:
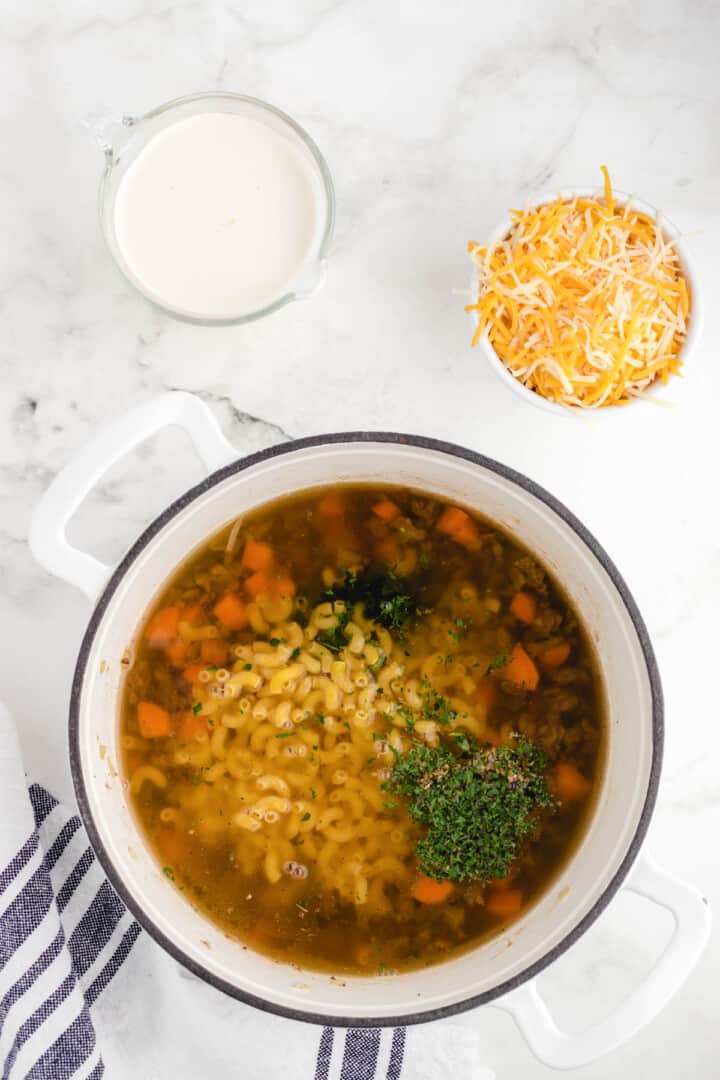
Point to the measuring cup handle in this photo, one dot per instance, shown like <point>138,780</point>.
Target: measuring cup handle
<point>47,537</point>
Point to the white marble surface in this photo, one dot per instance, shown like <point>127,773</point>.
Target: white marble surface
<point>434,118</point>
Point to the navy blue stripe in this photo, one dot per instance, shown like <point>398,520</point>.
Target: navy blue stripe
<point>25,913</point>
<point>25,981</point>
<point>22,858</point>
<point>95,929</point>
<point>324,1054</point>
<point>362,1046</point>
<point>115,962</point>
<point>61,841</point>
<point>62,1060</point>
<point>74,878</point>
<point>42,803</point>
<point>397,1052</point>
<point>38,1018</point>
<point>98,1071</point>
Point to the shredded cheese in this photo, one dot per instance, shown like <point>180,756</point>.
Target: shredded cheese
<point>584,300</point>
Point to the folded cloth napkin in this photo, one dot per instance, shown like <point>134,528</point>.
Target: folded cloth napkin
<point>84,993</point>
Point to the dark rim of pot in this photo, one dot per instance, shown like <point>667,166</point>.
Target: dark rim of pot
<point>437,446</point>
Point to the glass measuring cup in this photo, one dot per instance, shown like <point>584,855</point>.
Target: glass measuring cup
<point>124,140</point>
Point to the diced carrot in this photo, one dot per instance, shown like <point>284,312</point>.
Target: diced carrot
<point>176,652</point>
<point>503,902</point>
<point>568,783</point>
<point>386,510</point>
<point>452,519</point>
<point>153,721</point>
<point>520,669</point>
<point>283,586</point>
<point>257,555</point>
<point>190,724</point>
<point>430,891</point>
<point>213,651</point>
<point>555,656</point>
<point>192,614</point>
<point>460,526</point>
<point>388,549</point>
<point>331,506</point>
<point>500,884</point>
<point>231,611</point>
<point>257,583</point>
<point>486,694</point>
<point>192,672</point>
<point>524,607</point>
<point>163,627</point>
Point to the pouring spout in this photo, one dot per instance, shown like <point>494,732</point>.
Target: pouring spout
<point>110,133</point>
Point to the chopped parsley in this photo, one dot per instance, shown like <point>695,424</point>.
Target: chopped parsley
<point>247,667</point>
<point>169,872</point>
<point>306,817</point>
<point>295,653</point>
<point>477,802</point>
<point>335,639</point>
<point>497,663</point>
<point>384,596</point>
<point>284,734</point>
<point>196,708</point>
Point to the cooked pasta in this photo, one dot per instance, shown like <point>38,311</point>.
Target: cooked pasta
<point>265,710</point>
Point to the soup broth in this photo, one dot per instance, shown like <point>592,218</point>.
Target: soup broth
<point>288,678</point>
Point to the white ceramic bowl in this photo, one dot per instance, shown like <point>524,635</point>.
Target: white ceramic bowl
<point>695,322</point>
<point>597,869</point>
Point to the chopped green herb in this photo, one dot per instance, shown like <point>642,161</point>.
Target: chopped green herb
<point>295,653</point>
<point>305,817</point>
<point>383,595</point>
<point>370,761</point>
<point>435,706</point>
<point>335,639</point>
<point>498,662</point>
<point>284,734</point>
<point>275,641</point>
<point>247,667</point>
<point>213,667</point>
<point>389,805</point>
<point>423,560</point>
<point>196,708</point>
<point>313,793</point>
<point>169,872</point>
<point>478,803</point>
<point>211,722</point>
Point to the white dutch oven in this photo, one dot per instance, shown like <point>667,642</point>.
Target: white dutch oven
<point>503,970</point>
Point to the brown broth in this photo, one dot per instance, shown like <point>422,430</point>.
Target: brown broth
<point>261,792</point>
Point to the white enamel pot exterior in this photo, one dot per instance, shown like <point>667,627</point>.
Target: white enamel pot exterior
<point>501,971</point>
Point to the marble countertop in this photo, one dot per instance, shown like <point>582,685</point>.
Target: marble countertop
<point>433,118</point>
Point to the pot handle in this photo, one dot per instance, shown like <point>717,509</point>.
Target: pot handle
<point>72,484</point>
<point>561,1050</point>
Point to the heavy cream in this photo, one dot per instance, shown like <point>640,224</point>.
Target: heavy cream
<point>218,214</point>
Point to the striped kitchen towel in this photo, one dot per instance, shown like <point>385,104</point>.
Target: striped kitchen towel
<point>84,994</point>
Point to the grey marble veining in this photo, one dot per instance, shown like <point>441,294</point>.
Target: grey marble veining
<point>434,119</point>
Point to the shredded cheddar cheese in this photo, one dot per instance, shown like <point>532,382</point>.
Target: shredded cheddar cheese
<point>584,300</point>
